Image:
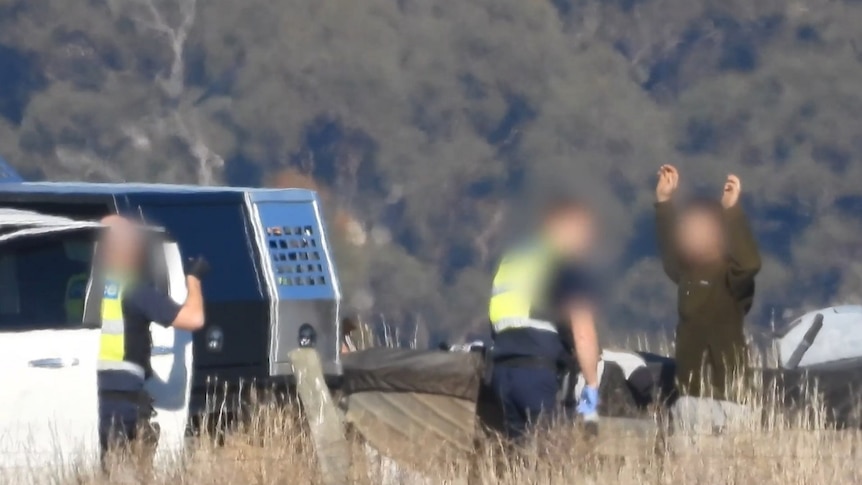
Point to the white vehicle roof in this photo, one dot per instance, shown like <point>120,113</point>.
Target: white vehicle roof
<point>17,224</point>
<point>839,339</point>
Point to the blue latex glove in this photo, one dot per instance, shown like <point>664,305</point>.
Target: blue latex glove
<point>588,404</point>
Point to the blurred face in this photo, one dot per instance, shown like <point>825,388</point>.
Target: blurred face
<point>700,236</point>
<point>573,232</point>
<point>121,244</point>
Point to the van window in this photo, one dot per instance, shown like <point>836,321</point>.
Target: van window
<point>217,232</point>
<point>43,282</point>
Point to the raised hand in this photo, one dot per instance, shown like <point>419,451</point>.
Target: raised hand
<point>668,181</point>
<point>732,189</point>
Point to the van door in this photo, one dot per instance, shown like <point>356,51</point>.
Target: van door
<point>172,358</point>
<point>48,404</point>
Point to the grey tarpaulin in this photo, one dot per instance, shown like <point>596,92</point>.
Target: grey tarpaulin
<point>453,374</point>
<point>394,423</point>
<point>458,375</point>
<point>398,398</point>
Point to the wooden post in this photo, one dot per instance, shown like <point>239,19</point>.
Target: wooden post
<point>324,419</point>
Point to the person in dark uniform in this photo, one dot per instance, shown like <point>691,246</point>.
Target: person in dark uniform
<point>709,252</point>
<point>543,289</point>
<point>129,304</point>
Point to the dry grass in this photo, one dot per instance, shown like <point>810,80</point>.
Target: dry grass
<point>275,448</point>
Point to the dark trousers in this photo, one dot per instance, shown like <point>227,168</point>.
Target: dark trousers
<point>124,418</point>
<point>526,394</point>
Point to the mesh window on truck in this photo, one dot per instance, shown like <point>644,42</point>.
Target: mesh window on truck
<point>296,256</point>
<point>296,250</point>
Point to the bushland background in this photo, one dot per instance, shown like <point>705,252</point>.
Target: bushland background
<point>428,126</point>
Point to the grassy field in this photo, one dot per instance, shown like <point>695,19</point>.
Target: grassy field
<point>767,457</point>
<point>274,448</point>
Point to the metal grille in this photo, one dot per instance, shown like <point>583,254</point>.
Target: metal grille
<point>297,250</point>
<point>296,256</point>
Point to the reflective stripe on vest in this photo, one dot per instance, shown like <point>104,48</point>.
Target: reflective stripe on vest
<point>514,323</point>
<point>112,344</point>
<point>517,285</point>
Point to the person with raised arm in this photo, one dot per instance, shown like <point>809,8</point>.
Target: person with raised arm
<point>708,250</point>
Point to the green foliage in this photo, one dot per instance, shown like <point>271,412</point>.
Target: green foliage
<point>430,124</point>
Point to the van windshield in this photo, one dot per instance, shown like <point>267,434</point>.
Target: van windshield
<point>43,281</point>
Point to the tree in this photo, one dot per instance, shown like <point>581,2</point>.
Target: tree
<point>431,127</point>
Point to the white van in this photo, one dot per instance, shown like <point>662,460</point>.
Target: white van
<point>273,283</point>
<point>49,338</point>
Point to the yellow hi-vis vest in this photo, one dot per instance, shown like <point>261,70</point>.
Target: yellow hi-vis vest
<point>519,286</point>
<point>112,345</point>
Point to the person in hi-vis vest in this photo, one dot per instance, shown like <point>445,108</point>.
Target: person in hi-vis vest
<point>542,291</point>
<point>128,306</point>
<point>76,293</point>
